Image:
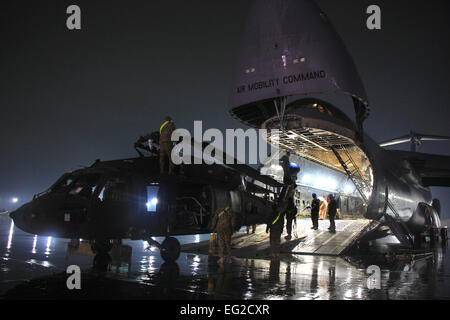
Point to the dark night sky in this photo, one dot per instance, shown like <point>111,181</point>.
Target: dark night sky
<point>70,97</point>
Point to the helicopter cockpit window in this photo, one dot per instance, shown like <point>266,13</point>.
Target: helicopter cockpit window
<point>63,183</point>
<point>152,198</point>
<point>102,192</point>
<point>115,190</point>
<point>83,185</point>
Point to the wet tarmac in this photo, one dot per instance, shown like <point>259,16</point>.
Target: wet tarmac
<point>33,267</point>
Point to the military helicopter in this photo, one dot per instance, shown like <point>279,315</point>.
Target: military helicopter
<point>130,199</point>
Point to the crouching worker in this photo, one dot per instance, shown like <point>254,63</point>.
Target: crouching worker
<point>224,224</point>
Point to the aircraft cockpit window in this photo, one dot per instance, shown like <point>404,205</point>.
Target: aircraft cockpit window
<point>67,182</point>
<point>152,198</point>
<point>115,190</point>
<point>321,108</point>
<point>84,185</point>
<point>63,184</point>
<point>100,195</point>
<point>317,106</point>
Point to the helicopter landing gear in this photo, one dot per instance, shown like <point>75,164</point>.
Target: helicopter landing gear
<point>101,262</point>
<point>169,249</point>
<point>101,246</point>
<point>102,259</point>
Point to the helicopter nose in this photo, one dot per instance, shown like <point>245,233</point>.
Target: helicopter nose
<point>19,217</point>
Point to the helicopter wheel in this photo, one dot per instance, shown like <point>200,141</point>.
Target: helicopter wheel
<point>170,249</point>
<point>101,246</point>
<point>101,262</point>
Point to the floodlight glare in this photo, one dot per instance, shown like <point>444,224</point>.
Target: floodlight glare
<point>348,188</point>
<point>306,178</point>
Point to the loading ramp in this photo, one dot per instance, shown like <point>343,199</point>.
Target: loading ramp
<point>307,241</point>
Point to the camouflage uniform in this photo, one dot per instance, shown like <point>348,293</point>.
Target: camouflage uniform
<point>315,206</point>
<point>224,223</point>
<point>252,227</point>
<point>291,213</point>
<point>166,146</point>
<point>275,225</point>
<point>331,210</point>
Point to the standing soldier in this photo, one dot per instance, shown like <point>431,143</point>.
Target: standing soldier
<point>332,209</point>
<point>253,229</point>
<point>166,145</point>
<point>315,205</point>
<point>275,225</point>
<point>224,223</point>
<point>291,213</point>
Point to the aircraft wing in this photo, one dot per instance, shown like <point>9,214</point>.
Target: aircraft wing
<point>433,169</point>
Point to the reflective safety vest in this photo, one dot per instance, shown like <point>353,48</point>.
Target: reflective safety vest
<point>278,217</point>
<point>223,211</point>
<point>162,126</point>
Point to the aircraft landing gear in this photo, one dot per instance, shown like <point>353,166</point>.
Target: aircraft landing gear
<point>102,259</point>
<point>101,262</point>
<point>101,246</point>
<point>169,249</point>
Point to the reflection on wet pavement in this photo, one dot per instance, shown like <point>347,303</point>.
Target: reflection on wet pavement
<point>34,267</point>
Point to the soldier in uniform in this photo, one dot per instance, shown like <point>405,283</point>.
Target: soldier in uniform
<point>332,209</point>
<point>224,223</point>
<point>252,227</point>
<point>275,225</point>
<point>291,213</point>
<point>315,205</point>
<point>166,145</point>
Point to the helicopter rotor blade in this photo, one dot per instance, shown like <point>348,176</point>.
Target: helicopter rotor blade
<point>395,141</point>
<point>417,136</point>
<point>429,137</point>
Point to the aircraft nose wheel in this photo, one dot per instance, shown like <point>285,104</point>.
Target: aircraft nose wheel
<point>101,246</point>
<point>170,249</point>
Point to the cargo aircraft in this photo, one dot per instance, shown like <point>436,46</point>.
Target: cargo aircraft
<point>289,49</point>
<point>290,54</point>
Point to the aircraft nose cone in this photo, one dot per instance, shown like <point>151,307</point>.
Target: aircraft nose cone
<point>278,57</point>
<point>19,217</point>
